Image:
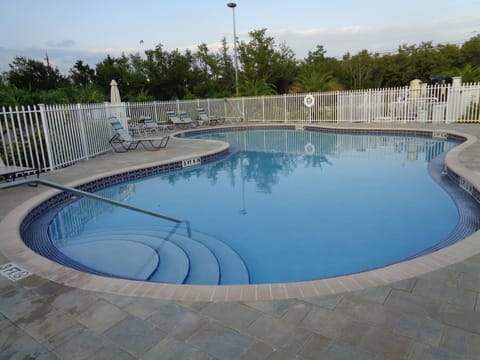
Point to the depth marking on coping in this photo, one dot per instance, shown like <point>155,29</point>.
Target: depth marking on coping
<point>14,272</point>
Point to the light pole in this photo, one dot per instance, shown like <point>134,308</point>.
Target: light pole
<point>232,5</point>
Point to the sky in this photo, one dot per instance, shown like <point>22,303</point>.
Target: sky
<point>89,30</point>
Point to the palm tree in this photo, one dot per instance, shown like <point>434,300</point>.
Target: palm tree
<point>468,73</point>
<point>256,88</point>
<point>312,81</point>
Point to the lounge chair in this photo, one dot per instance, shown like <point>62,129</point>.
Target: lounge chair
<point>135,127</point>
<point>183,121</point>
<point>149,125</point>
<point>164,125</point>
<point>122,141</point>
<point>202,115</point>
<point>11,172</point>
<point>187,119</point>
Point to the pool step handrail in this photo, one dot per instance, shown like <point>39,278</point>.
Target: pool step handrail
<point>35,181</point>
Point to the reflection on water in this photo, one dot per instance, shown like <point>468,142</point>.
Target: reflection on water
<point>71,220</point>
<point>272,154</point>
<point>265,156</point>
<point>319,145</point>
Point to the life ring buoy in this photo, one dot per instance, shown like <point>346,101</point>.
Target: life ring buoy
<point>309,101</point>
<point>309,149</point>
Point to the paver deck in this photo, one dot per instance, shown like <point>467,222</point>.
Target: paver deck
<point>431,316</point>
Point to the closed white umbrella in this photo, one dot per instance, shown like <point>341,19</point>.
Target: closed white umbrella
<point>114,93</point>
<point>117,108</point>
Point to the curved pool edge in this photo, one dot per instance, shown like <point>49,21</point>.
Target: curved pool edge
<point>15,250</point>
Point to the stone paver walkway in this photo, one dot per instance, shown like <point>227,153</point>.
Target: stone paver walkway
<point>434,316</point>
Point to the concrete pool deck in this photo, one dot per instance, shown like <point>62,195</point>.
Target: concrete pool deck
<point>424,309</point>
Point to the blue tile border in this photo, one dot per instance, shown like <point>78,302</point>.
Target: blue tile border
<point>467,205</point>
<point>192,133</point>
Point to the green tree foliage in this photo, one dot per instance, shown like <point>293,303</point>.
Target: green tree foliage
<point>81,74</point>
<point>468,73</point>
<point>263,61</point>
<point>33,75</point>
<point>312,81</point>
<point>13,96</point>
<point>360,68</point>
<point>112,69</point>
<point>169,73</point>
<point>215,74</point>
<point>318,73</point>
<point>31,82</point>
<point>471,51</point>
<point>256,88</point>
<point>265,68</point>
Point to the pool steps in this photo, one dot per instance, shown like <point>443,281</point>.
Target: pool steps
<point>201,259</point>
<point>202,265</point>
<point>173,264</point>
<point>141,261</point>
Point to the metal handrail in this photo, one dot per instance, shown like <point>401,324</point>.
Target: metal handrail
<point>96,197</point>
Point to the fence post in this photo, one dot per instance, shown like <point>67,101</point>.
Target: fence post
<point>83,131</point>
<point>243,110</point>
<point>341,109</point>
<point>405,106</point>
<point>155,111</point>
<point>107,109</point>
<point>46,133</point>
<point>263,108</point>
<point>368,113</point>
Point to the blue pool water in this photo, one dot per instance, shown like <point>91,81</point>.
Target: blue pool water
<point>293,205</point>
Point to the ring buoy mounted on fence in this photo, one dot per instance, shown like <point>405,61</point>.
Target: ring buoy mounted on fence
<point>309,101</point>
<point>309,149</point>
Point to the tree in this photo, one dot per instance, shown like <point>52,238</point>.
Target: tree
<point>449,56</point>
<point>10,95</point>
<point>169,73</point>
<point>214,72</point>
<point>471,51</point>
<point>262,60</point>
<point>226,72</point>
<point>312,81</point>
<point>318,73</point>
<point>468,73</point>
<point>316,57</point>
<point>112,69</point>
<point>256,88</point>
<point>33,75</point>
<point>136,84</point>
<point>359,67</point>
<point>81,74</point>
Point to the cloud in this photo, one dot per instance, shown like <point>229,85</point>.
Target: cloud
<point>386,38</point>
<point>62,44</point>
<point>113,51</point>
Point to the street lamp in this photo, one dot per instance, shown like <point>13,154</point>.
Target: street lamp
<point>232,5</point>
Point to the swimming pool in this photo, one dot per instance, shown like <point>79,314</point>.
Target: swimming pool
<point>302,201</point>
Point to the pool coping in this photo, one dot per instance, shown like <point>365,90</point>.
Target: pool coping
<point>16,251</point>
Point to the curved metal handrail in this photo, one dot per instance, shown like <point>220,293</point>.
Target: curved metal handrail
<point>96,197</point>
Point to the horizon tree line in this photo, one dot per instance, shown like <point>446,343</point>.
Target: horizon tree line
<point>265,68</point>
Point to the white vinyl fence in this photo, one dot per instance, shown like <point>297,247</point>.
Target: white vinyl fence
<point>51,137</point>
